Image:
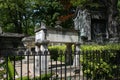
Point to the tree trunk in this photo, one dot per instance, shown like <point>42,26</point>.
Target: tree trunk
<point>111,6</point>
<point>18,26</point>
<point>18,23</point>
<point>68,54</point>
<point>112,13</point>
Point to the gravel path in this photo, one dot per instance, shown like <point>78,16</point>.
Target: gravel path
<point>31,70</point>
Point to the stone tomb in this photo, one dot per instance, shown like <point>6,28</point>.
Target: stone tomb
<point>11,43</point>
<point>59,36</point>
<point>44,36</point>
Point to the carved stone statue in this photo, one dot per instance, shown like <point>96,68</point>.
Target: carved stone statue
<point>82,22</point>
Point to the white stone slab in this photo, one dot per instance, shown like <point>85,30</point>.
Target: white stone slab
<point>62,36</point>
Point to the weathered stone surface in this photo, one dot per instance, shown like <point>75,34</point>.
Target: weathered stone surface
<point>55,36</point>
<point>82,23</point>
<point>0,30</point>
<point>29,42</point>
<point>62,36</point>
<point>11,43</point>
<point>41,48</point>
<point>12,35</point>
<point>114,40</point>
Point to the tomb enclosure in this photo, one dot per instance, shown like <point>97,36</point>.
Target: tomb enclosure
<point>45,36</point>
<point>10,43</point>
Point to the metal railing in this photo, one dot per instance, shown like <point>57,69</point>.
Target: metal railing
<point>94,65</point>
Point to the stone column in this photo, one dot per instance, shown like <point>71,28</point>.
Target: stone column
<point>76,60</point>
<point>27,52</point>
<point>43,58</point>
<point>68,54</point>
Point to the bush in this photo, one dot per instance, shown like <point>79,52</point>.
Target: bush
<point>101,61</point>
<point>43,77</point>
<point>98,61</point>
<point>16,58</point>
<point>2,72</point>
<point>10,69</point>
<point>56,52</point>
<point>100,47</point>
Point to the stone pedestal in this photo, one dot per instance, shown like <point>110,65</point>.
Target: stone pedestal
<point>42,63</point>
<point>76,60</point>
<point>43,58</point>
<point>27,53</point>
<point>68,54</point>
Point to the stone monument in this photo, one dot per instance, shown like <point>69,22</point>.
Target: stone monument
<point>11,43</point>
<point>43,58</point>
<point>76,61</point>
<point>82,23</point>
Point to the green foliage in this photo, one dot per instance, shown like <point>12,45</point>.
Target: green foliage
<point>42,77</point>
<point>101,61</point>
<point>86,3</point>
<point>2,72</point>
<point>100,47</point>
<point>118,5</point>
<point>10,69</point>
<point>16,58</point>
<point>20,16</point>
<point>23,78</point>
<point>101,64</point>
<point>56,52</point>
<point>78,2</point>
<point>48,11</point>
<point>15,16</point>
<point>98,61</point>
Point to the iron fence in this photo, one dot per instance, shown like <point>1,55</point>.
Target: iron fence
<point>94,65</point>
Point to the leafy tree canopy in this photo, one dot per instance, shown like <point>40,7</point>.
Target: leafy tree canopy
<point>15,15</point>
<point>47,11</point>
<point>21,15</point>
<point>86,3</point>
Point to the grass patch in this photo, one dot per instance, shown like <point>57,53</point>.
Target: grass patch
<point>42,77</point>
<point>10,69</point>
